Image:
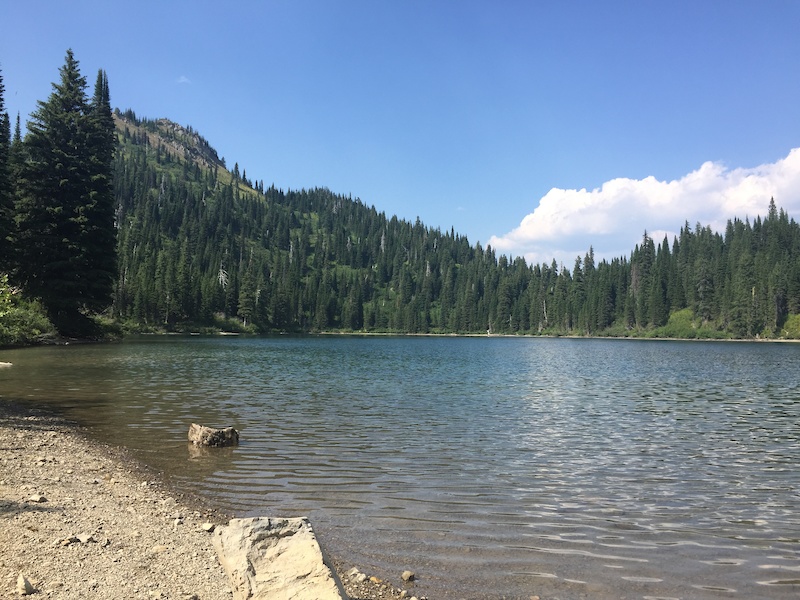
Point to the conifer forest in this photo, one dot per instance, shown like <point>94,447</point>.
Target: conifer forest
<point>169,238</point>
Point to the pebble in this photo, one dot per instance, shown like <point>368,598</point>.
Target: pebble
<point>24,587</point>
<point>408,576</point>
<point>209,527</point>
<point>37,498</point>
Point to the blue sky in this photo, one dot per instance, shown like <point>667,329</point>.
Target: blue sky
<point>539,127</point>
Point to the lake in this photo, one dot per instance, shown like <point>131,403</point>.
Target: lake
<point>492,467</point>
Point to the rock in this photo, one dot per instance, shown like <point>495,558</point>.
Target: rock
<point>408,576</point>
<point>277,559</point>
<point>24,587</point>
<point>37,498</point>
<point>200,435</point>
<point>361,578</point>
<point>85,538</point>
<point>209,527</point>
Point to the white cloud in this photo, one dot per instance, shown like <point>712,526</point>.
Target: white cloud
<point>613,218</point>
<point>183,79</point>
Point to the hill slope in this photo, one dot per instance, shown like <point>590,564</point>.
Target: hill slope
<point>203,245</point>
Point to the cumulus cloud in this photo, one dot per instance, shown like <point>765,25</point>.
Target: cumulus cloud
<point>613,217</point>
<point>183,80</point>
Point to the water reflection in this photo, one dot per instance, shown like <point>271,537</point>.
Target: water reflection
<point>566,468</point>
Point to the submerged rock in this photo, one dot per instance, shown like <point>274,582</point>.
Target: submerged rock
<point>200,435</point>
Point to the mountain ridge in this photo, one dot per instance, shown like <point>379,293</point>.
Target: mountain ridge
<point>203,245</point>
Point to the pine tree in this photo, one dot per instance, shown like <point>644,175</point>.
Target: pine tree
<point>6,196</point>
<point>99,243</point>
<point>65,210</point>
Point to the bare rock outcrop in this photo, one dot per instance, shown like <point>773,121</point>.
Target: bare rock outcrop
<point>279,559</point>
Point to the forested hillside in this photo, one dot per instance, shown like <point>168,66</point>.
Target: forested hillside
<point>98,208</point>
<point>199,245</point>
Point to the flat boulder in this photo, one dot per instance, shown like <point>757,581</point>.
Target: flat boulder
<point>200,435</point>
<point>279,559</point>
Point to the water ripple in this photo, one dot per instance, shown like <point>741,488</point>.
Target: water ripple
<point>562,468</point>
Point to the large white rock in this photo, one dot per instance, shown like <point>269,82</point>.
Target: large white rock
<point>278,559</point>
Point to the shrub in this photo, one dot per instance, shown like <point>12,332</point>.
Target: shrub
<point>791,329</point>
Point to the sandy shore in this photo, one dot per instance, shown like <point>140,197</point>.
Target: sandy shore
<point>82,520</point>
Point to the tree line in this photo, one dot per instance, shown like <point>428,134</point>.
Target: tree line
<point>141,218</point>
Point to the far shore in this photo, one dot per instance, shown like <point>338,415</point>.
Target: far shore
<point>333,333</point>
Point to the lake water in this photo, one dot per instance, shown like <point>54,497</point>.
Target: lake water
<point>492,467</point>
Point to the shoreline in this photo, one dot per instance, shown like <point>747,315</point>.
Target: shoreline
<point>82,519</point>
<point>467,335</point>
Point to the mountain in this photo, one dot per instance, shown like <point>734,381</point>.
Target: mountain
<point>201,245</point>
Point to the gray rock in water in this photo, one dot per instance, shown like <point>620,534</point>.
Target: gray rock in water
<point>200,435</point>
<point>279,559</point>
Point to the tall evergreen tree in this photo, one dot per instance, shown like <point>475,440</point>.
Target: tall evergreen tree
<point>99,243</point>
<point>6,196</point>
<point>64,202</point>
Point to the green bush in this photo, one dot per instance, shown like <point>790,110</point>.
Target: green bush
<point>791,329</point>
<point>683,324</point>
<point>24,323</point>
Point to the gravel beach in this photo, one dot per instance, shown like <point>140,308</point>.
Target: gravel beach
<point>79,519</point>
